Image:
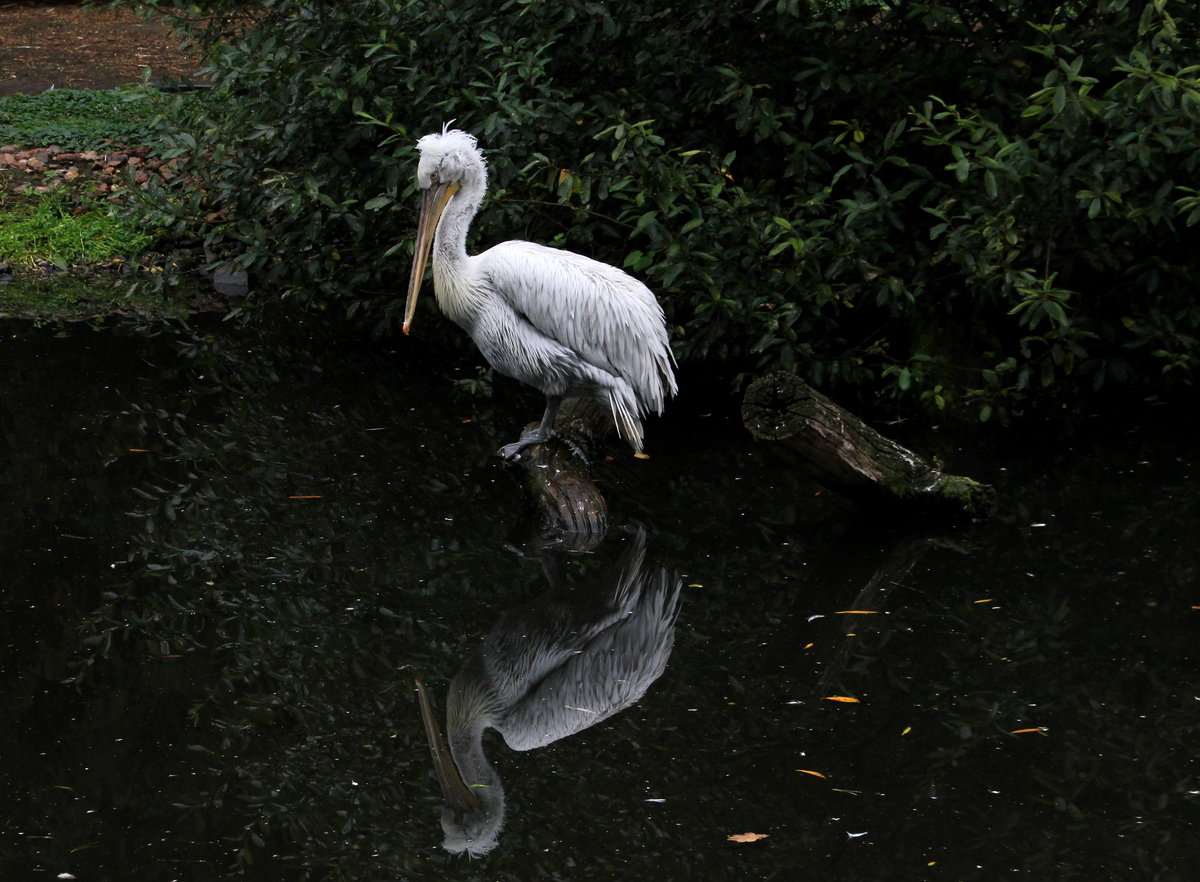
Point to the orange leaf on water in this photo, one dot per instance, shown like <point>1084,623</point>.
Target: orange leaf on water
<point>845,698</point>
<point>1039,729</point>
<point>747,837</point>
<point>810,772</point>
<point>856,612</point>
<point>304,497</point>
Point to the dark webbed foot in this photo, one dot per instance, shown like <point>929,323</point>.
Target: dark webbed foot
<point>512,452</point>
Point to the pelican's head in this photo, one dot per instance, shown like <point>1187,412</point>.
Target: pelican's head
<point>451,163</point>
<point>451,155</point>
<point>475,832</point>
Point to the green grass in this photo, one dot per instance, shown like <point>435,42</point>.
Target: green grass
<point>79,120</point>
<point>61,230</point>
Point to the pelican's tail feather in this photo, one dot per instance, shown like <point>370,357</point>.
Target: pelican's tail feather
<point>626,419</point>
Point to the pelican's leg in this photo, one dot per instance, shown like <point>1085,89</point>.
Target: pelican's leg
<point>543,432</point>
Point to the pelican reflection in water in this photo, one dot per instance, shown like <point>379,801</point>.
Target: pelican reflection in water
<point>547,670</point>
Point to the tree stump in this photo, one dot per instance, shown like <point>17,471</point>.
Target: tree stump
<point>558,476</point>
<point>841,452</point>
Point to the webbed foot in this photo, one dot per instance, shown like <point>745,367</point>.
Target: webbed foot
<point>512,452</point>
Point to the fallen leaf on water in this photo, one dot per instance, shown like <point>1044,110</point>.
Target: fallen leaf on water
<point>808,646</point>
<point>851,792</point>
<point>907,729</point>
<point>985,600</point>
<point>138,450</point>
<point>810,772</point>
<point>747,837</point>
<point>856,612</point>
<point>845,698</point>
<point>305,497</point>
<point>1038,729</point>
<point>641,456</point>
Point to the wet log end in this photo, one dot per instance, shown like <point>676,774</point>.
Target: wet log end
<point>559,480</point>
<point>841,452</point>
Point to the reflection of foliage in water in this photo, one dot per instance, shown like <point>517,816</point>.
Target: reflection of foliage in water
<point>238,655</point>
<point>269,553</point>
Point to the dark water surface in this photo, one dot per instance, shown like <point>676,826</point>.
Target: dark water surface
<point>227,552</point>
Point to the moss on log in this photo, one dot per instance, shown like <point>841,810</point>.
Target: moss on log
<point>841,452</point>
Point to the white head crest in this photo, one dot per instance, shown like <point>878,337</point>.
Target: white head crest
<point>451,155</point>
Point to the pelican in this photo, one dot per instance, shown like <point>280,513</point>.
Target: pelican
<point>558,321</point>
<point>547,670</point>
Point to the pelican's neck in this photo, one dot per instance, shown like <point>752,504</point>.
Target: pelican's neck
<point>450,278</point>
<point>469,712</point>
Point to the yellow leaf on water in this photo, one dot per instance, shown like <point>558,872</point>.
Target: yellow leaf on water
<point>856,612</point>
<point>747,837</point>
<point>907,729</point>
<point>985,600</point>
<point>641,456</point>
<point>811,772</point>
<point>845,698</point>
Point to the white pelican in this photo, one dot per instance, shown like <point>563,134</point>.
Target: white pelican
<point>560,322</point>
<point>547,670</point>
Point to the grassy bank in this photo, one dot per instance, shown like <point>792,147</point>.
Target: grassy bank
<point>64,162</point>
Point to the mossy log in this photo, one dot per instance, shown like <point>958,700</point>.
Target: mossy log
<point>559,479</point>
<point>841,452</point>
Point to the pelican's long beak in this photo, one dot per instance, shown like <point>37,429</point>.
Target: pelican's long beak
<point>432,206</point>
<point>455,791</point>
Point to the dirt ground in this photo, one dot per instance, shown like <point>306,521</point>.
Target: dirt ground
<point>54,44</point>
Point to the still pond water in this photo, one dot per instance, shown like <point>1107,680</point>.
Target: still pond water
<point>228,552</point>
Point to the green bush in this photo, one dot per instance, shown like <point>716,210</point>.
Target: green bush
<point>971,204</point>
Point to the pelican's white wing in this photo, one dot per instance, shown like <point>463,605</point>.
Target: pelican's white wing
<point>610,319</point>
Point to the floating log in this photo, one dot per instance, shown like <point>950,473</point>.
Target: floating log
<point>841,452</point>
<point>558,476</point>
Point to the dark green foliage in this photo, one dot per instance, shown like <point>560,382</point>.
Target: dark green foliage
<point>78,120</point>
<point>964,204</point>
